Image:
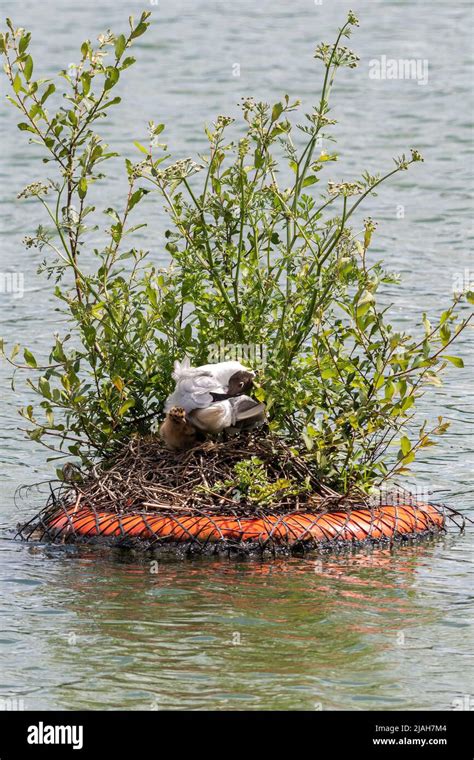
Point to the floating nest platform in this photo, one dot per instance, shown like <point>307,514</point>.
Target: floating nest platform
<point>149,498</point>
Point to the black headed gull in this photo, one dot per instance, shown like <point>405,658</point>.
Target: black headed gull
<point>241,411</point>
<point>199,387</point>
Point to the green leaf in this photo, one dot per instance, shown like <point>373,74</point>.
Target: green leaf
<point>109,103</point>
<point>362,310</point>
<point>380,383</point>
<point>29,358</point>
<point>82,188</point>
<point>139,30</point>
<point>25,127</point>
<point>188,333</point>
<point>405,445</point>
<point>469,296</point>
<point>216,185</point>
<point>116,232</point>
<point>119,383</point>
<point>136,197</point>
<point>445,334</point>
<point>276,111</point>
<point>49,91</point>
<point>28,68</point>
<point>120,45</point>
<point>128,62</point>
<point>24,42</point>
<point>141,147</point>
<point>44,387</point>
<point>113,214</point>
<point>426,325</point>
<point>111,79</point>
<point>96,153</point>
<point>311,180</point>
<point>456,360</point>
<point>17,83</point>
<point>408,458</point>
<point>407,403</point>
<point>86,82</point>
<point>367,238</point>
<point>126,406</point>
<point>258,159</point>
<point>35,434</point>
<point>444,316</point>
<point>97,309</point>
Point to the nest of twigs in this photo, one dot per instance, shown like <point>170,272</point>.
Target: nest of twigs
<point>145,475</point>
<point>145,482</point>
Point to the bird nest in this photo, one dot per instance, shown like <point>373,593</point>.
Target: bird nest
<point>252,491</point>
<point>146,475</point>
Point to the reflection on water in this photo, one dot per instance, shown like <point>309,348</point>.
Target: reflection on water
<point>381,629</point>
<point>104,629</point>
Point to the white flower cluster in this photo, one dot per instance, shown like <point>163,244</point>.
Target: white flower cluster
<point>106,39</point>
<point>35,189</point>
<point>345,188</point>
<point>178,171</point>
<point>223,121</point>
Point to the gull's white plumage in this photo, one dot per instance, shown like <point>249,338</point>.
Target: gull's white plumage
<point>194,385</point>
<point>224,414</point>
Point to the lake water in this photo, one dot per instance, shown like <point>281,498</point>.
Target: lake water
<point>371,630</point>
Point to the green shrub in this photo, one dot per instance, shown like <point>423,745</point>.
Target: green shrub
<point>254,260</point>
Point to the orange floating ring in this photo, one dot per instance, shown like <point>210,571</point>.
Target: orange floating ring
<point>386,522</point>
